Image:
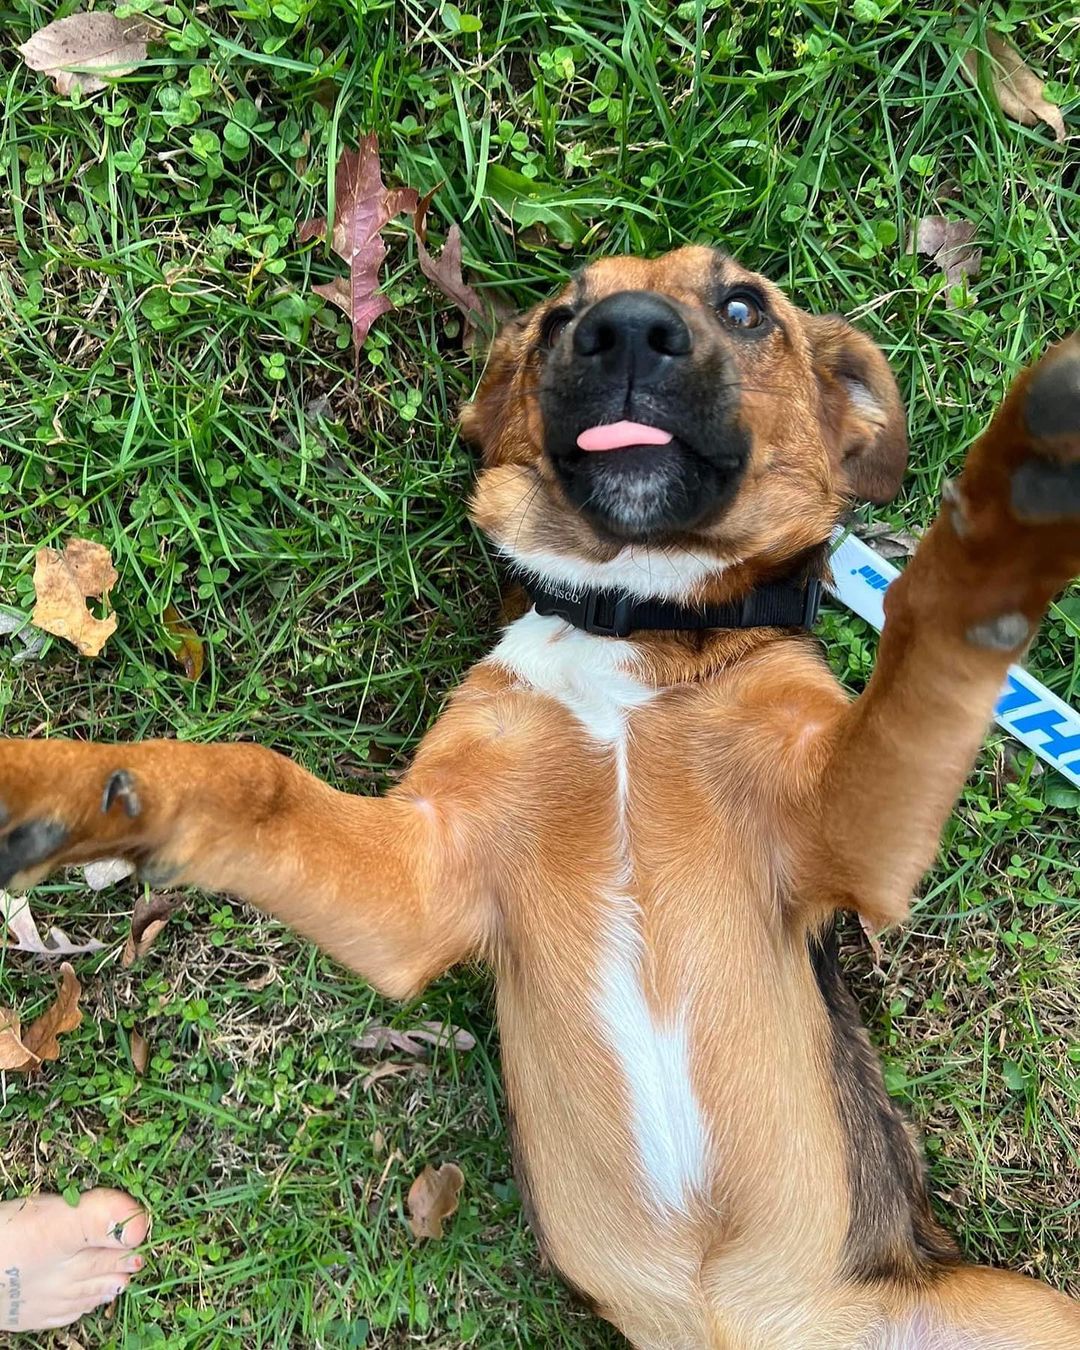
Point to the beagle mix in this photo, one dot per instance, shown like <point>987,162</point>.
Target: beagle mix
<point>646,806</point>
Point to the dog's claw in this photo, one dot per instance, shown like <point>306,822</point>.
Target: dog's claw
<point>29,844</point>
<point>121,787</point>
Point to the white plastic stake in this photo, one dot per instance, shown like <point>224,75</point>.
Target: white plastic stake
<point>1025,710</point>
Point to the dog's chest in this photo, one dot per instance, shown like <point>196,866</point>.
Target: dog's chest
<point>644,1029</point>
<point>591,677</point>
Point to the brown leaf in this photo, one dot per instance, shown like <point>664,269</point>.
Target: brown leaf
<point>188,648</point>
<point>15,911</point>
<point>363,204</point>
<point>140,1052</point>
<point>1018,90</point>
<point>416,1040</point>
<point>889,542</point>
<point>268,977</point>
<point>148,918</point>
<point>388,1069</point>
<point>78,51</point>
<point>62,584</point>
<point>41,1038</point>
<point>14,1056</point>
<point>948,243</point>
<point>445,272</point>
<point>433,1197</point>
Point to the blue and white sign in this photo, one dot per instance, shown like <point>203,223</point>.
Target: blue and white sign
<point>1025,710</point>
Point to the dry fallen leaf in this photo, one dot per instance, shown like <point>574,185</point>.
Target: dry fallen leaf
<point>14,1056</point>
<point>388,1069</point>
<point>40,1038</point>
<point>15,911</point>
<point>62,584</point>
<point>363,204</point>
<point>445,271</point>
<point>260,982</point>
<point>148,918</point>
<point>1018,90</point>
<point>140,1052</point>
<point>888,541</point>
<point>948,243</point>
<point>107,872</point>
<point>433,1197</point>
<point>188,648</point>
<point>416,1040</point>
<point>23,1050</point>
<point>78,51</point>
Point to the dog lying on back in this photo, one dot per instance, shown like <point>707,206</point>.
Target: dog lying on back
<point>646,805</point>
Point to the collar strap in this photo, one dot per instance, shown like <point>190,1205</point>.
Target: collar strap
<point>779,604</point>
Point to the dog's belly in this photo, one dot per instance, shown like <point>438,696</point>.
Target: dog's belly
<point>654,1140</point>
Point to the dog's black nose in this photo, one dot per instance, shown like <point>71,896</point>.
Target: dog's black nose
<point>632,336</point>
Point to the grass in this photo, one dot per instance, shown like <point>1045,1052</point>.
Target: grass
<point>169,384</point>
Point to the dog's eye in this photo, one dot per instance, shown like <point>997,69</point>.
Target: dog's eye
<point>741,311</point>
<point>554,325</point>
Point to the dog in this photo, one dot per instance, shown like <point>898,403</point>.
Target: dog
<point>647,805</point>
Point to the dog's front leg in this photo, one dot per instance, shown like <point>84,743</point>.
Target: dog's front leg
<point>389,886</point>
<point>1008,539</point>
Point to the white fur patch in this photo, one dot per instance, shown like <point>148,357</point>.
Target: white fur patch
<point>919,1332</point>
<point>642,570</point>
<point>592,677</point>
<point>667,1120</point>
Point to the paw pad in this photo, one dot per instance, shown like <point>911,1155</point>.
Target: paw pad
<point>1044,491</point>
<point>1052,408</point>
<point>1003,634</point>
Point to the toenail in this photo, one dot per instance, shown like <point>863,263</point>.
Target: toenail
<point>132,1264</point>
<point>119,1229</point>
<point>121,787</point>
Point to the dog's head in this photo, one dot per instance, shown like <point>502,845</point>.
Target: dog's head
<point>661,421</point>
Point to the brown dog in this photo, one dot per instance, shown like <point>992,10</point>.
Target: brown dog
<point>648,835</point>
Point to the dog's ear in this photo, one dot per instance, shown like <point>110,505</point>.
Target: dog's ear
<point>488,422</point>
<point>864,419</point>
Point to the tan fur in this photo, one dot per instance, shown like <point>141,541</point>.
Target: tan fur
<point>758,799</point>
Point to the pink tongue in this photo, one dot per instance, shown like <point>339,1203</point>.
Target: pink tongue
<point>618,435</point>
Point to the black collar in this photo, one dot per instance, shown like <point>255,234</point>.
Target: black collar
<point>777,604</point>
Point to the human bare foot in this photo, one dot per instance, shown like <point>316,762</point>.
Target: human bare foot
<point>59,1261</point>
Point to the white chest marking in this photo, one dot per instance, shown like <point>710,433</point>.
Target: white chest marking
<point>592,678</point>
<point>645,572</point>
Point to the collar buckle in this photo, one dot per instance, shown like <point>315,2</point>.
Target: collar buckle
<point>812,603</point>
<point>607,616</point>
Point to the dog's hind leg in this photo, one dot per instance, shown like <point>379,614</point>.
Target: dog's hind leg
<point>975,1308</point>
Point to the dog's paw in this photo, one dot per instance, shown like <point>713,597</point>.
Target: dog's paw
<point>62,803</point>
<point>1045,489</point>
